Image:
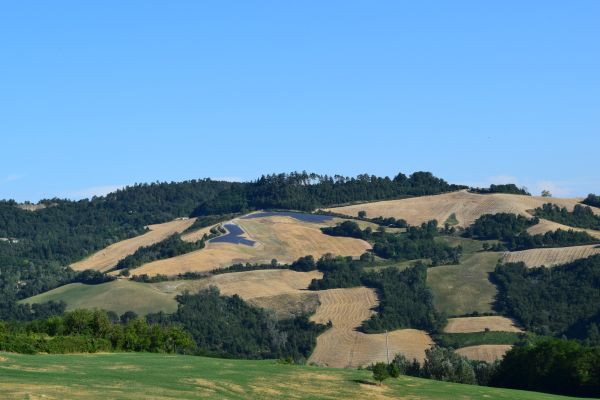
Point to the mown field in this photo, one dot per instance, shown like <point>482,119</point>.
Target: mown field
<point>152,376</point>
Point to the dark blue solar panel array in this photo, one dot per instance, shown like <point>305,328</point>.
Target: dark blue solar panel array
<point>233,235</point>
<point>314,218</point>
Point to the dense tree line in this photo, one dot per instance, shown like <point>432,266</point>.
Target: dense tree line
<point>580,217</point>
<point>511,229</point>
<point>306,192</point>
<point>415,243</point>
<point>339,272</point>
<point>509,188</point>
<point>443,364</point>
<point>592,200</point>
<point>551,365</point>
<point>170,247</point>
<point>91,331</point>
<point>226,326</point>
<point>563,300</point>
<point>501,226</point>
<point>545,365</point>
<point>405,301</point>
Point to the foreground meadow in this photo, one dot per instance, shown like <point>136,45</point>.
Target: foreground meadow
<point>152,376</point>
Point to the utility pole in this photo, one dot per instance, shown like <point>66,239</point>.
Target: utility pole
<point>387,348</point>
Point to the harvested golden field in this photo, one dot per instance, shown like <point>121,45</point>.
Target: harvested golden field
<point>552,256</point>
<point>466,206</point>
<point>281,290</point>
<point>480,324</point>
<point>547,226</point>
<point>342,346</point>
<point>249,284</point>
<point>485,352</point>
<point>283,238</point>
<point>108,257</point>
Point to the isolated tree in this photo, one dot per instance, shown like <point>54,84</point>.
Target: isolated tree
<point>380,372</point>
<point>546,193</point>
<point>362,214</point>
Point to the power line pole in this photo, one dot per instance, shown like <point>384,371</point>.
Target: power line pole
<point>387,348</point>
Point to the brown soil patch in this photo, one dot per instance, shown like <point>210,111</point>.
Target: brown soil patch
<point>466,206</point>
<point>552,256</point>
<point>108,257</point>
<point>479,324</point>
<point>485,352</point>
<point>283,238</point>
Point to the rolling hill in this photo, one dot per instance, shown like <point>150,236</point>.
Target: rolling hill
<point>466,207</point>
<point>151,376</point>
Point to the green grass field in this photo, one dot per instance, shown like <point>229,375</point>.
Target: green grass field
<point>464,288</point>
<point>118,296</point>
<point>458,340</point>
<point>152,376</point>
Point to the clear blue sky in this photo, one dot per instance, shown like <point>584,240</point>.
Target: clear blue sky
<point>96,95</point>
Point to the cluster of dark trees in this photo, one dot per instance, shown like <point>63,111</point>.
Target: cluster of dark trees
<point>580,217</point>
<point>405,301</point>
<point>91,331</point>
<point>304,191</point>
<point>443,364</point>
<point>511,229</point>
<point>551,365</point>
<point>339,272</point>
<point>170,247</point>
<point>415,243</point>
<point>226,326</point>
<point>545,365</point>
<point>501,226</point>
<point>509,188</point>
<point>563,300</point>
<point>592,200</point>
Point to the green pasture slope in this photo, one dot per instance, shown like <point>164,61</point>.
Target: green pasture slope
<point>119,296</point>
<point>152,376</point>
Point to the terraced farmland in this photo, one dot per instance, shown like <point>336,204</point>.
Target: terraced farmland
<point>342,346</point>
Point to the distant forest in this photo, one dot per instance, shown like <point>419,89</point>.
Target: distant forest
<point>509,188</point>
<point>49,239</point>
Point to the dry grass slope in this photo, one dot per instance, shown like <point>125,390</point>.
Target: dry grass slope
<point>107,258</point>
<point>249,284</point>
<point>280,290</point>
<point>342,346</point>
<point>547,226</point>
<point>485,352</point>
<point>480,324</point>
<point>551,257</point>
<point>283,238</point>
<point>466,206</point>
